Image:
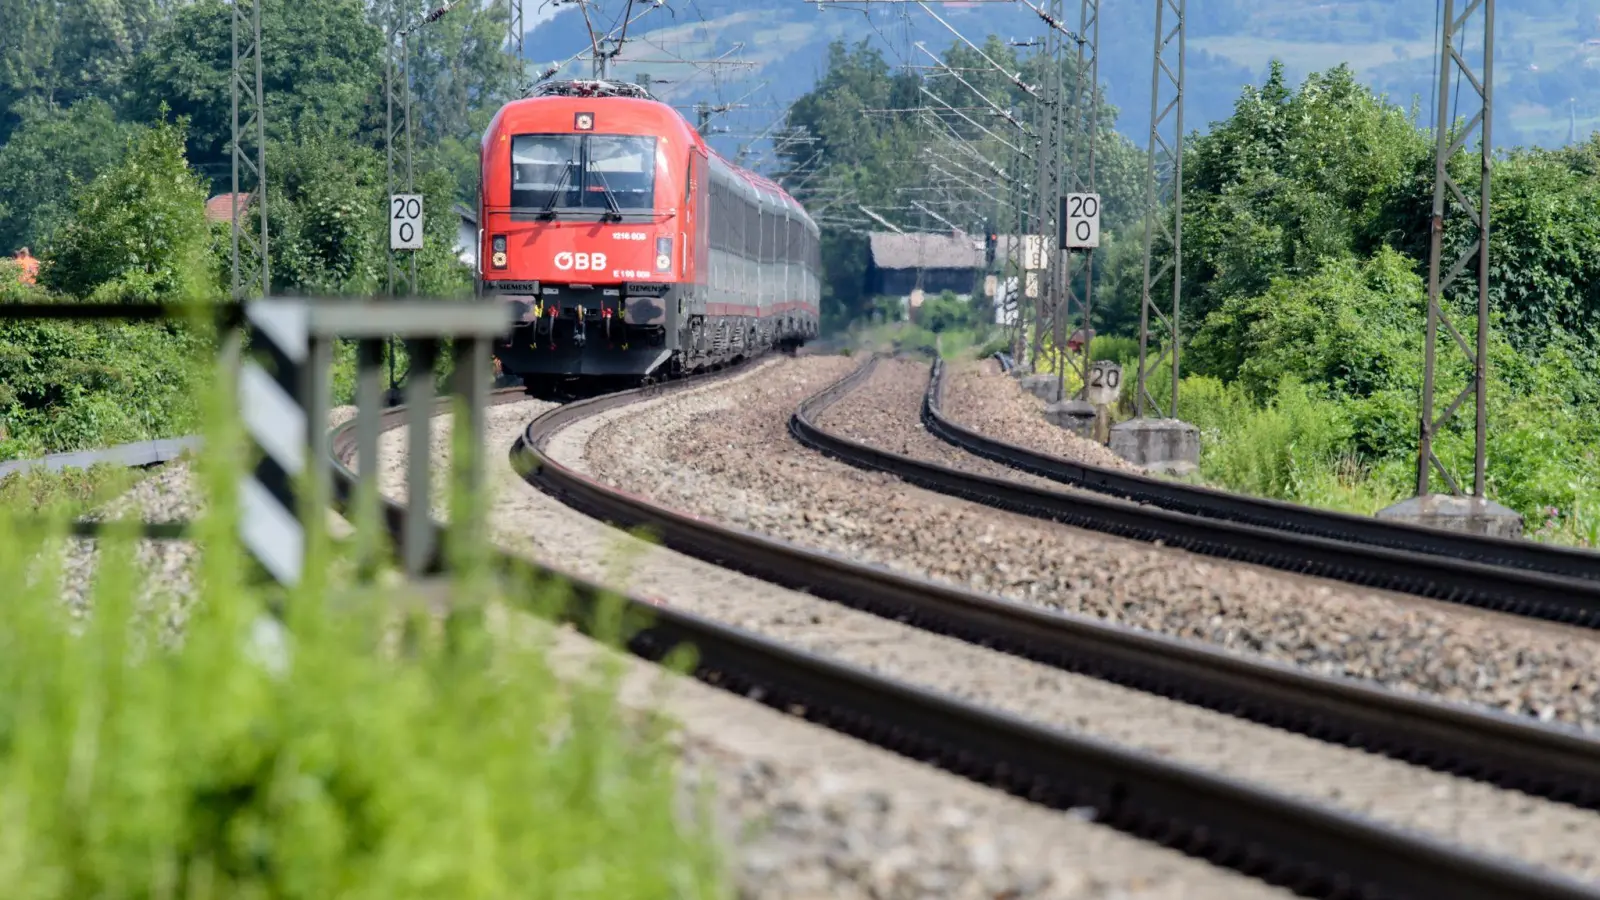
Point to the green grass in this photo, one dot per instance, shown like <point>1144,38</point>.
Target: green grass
<point>1296,447</point>
<point>73,491</point>
<point>392,753</point>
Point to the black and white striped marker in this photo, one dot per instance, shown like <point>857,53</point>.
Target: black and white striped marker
<point>274,414</point>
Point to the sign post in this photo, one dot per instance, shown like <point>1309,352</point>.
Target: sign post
<point>405,221</point>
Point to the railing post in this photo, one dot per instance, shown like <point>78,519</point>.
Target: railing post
<point>271,402</point>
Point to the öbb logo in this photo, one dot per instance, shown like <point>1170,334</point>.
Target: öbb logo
<point>583,262</point>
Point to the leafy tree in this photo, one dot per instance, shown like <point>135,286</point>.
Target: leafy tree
<point>330,227</point>
<point>60,51</point>
<point>460,76</point>
<point>1350,325</point>
<point>323,71</point>
<point>138,230</point>
<point>1545,227</point>
<point>55,150</point>
<point>326,205</point>
<point>1292,179</point>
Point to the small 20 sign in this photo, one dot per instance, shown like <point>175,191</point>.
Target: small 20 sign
<point>1080,221</point>
<point>405,221</point>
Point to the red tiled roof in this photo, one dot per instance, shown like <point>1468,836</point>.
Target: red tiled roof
<point>220,207</point>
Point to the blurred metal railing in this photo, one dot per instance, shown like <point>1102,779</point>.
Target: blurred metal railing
<point>282,352</point>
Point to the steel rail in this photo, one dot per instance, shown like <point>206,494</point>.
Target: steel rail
<point>1509,751</point>
<point>1534,594</point>
<point>1330,853</point>
<point>1275,514</point>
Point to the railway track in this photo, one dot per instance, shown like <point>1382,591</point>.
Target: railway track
<point>1274,514</point>
<point>1315,850</point>
<point>1562,598</point>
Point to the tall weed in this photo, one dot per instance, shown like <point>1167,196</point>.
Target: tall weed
<point>336,761</point>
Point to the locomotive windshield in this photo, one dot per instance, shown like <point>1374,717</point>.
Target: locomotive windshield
<point>570,172</point>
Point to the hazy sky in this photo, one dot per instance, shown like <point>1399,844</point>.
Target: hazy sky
<point>536,11</point>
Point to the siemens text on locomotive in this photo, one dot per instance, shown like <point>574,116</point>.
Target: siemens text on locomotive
<point>630,248</point>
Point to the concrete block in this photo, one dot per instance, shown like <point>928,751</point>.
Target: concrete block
<point>1472,515</point>
<point>1074,415</point>
<point>1168,446</point>
<point>1044,386</point>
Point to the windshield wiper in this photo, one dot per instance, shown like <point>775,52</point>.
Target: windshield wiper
<point>549,211</point>
<point>611,199</point>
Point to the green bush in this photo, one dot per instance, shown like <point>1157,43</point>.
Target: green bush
<point>329,223</point>
<point>997,340</point>
<point>77,385</point>
<point>376,753</point>
<point>945,312</point>
<point>1124,351</point>
<point>138,231</point>
<point>1294,448</point>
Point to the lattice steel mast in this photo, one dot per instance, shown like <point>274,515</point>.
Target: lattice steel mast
<point>1163,176</point>
<point>1086,109</point>
<point>245,76</point>
<point>1447,144</point>
<point>1051,224</point>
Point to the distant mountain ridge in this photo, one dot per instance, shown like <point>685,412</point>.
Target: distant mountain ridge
<point>1541,59</point>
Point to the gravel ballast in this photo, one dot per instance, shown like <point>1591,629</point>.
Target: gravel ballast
<point>710,427</point>
<point>167,567</point>
<point>981,397</point>
<point>810,813</point>
<point>745,469</point>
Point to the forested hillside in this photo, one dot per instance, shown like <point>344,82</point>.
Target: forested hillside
<point>1543,57</point>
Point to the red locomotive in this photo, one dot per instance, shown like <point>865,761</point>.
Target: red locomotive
<point>631,249</point>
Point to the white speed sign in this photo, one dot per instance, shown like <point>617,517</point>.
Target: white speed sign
<point>405,221</point>
<point>1080,218</point>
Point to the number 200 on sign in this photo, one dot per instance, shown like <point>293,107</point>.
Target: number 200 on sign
<point>1080,218</point>
<point>405,222</point>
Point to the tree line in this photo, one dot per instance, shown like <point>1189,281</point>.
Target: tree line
<point>80,79</point>
<point>1306,224</point>
<point>115,120</point>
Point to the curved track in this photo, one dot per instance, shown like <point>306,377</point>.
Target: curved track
<point>1274,514</point>
<point>1519,591</point>
<point>1311,848</point>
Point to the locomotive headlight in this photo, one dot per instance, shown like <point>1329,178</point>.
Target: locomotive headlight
<point>499,258</point>
<point>664,254</point>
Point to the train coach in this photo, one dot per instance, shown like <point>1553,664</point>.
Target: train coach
<point>630,249</point>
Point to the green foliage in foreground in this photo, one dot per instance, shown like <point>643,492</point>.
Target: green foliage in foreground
<point>379,753</point>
